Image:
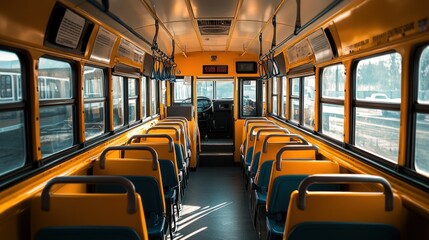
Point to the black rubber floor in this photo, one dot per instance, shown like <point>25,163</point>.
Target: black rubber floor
<point>215,206</point>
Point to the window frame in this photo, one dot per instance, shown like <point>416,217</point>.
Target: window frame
<point>284,88</point>
<point>275,93</point>
<point>25,108</point>
<point>135,97</point>
<point>416,108</point>
<point>172,92</point>
<point>331,101</point>
<point>258,94</point>
<point>63,102</point>
<point>103,100</point>
<point>156,111</point>
<point>361,103</point>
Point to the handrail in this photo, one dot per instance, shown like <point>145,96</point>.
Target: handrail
<point>258,121</point>
<point>127,184</point>
<point>291,148</point>
<point>169,128</point>
<point>168,137</point>
<point>182,128</point>
<point>176,120</point>
<point>121,148</point>
<point>258,126</point>
<point>178,117</point>
<point>345,179</point>
<point>303,141</point>
<point>270,130</point>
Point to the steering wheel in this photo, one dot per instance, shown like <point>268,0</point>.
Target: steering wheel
<point>204,104</point>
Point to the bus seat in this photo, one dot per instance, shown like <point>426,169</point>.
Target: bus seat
<point>249,149</point>
<point>283,182</point>
<point>343,215</point>
<point>184,140</point>
<point>261,134</point>
<point>263,172</point>
<point>178,145</point>
<point>146,176</point>
<point>247,125</point>
<point>87,215</point>
<point>168,164</point>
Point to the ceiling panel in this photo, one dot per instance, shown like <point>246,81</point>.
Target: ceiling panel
<point>287,14</point>
<point>147,32</point>
<point>214,8</point>
<point>180,28</point>
<point>239,44</point>
<point>134,14</point>
<point>251,10</point>
<point>170,11</point>
<point>97,14</point>
<point>283,31</point>
<point>311,8</point>
<point>247,29</point>
<point>215,41</point>
<point>188,44</point>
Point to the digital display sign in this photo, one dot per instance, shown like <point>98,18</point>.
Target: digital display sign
<point>215,69</point>
<point>246,67</point>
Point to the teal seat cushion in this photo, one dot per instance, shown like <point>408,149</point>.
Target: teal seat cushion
<point>342,230</point>
<point>87,233</point>
<point>275,227</point>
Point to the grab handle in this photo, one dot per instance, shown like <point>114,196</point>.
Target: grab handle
<point>295,136</point>
<point>344,179</point>
<point>127,184</point>
<point>121,148</point>
<point>270,130</point>
<point>252,137</point>
<point>168,137</point>
<point>164,124</point>
<point>291,148</point>
<point>165,128</point>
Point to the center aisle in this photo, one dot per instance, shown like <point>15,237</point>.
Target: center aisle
<point>215,206</point>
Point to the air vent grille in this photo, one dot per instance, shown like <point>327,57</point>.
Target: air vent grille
<point>214,27</point>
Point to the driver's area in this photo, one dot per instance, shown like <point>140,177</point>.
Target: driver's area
<point>215,111</point>
<point>215,108</point>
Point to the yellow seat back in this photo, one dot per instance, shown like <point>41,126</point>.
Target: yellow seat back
<point>343,207</point>
<point>51,209</point>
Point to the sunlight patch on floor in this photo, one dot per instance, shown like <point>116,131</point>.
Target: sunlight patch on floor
<point>191,214</point>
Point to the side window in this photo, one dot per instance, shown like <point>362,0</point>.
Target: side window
<point>182,90</point>
<point>154,96</point>
<point>283,106</point>
<point>275,94</point>
<point>56,106</point>
<point>144,97</point>
<point>295,100</point>
<point>224,89</point>
<point>308,100</point>
<point>118,101</point>
<point>94,102</point>
<point>132,99</point>
<point>421,160</point>
<point>12,121</point>
<point>205,88</point>
<point>376,105</point>
<point>332,101</point>
<point>164,92</point>
<point>248,98</point>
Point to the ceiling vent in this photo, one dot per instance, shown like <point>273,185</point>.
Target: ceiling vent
<point>214,27</point>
